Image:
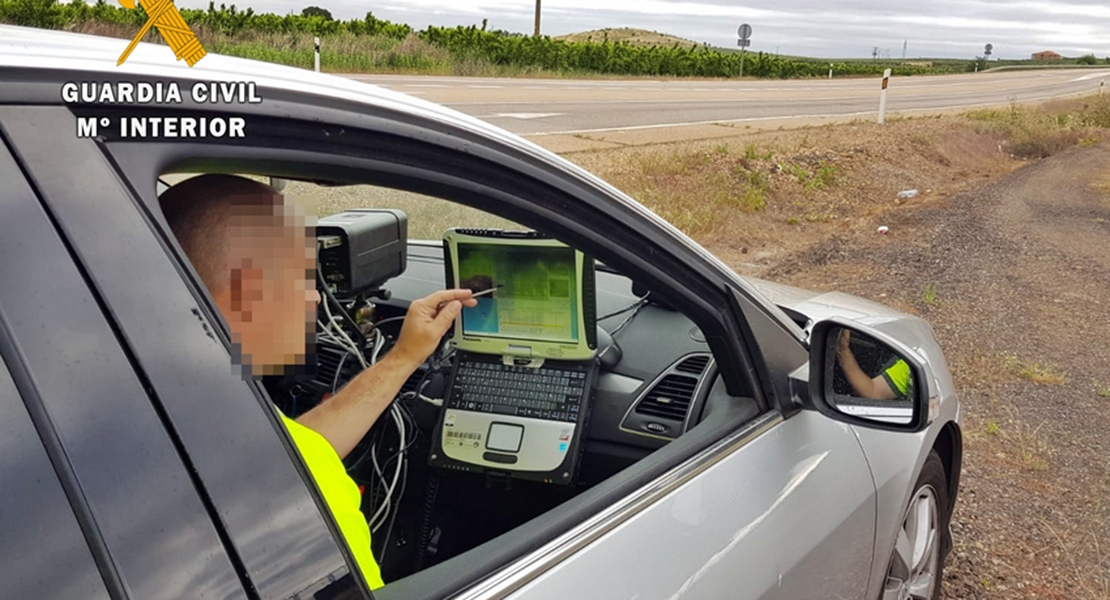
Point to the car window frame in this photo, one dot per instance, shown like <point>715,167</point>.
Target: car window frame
<point>21,408</point>
<point>271,161</point>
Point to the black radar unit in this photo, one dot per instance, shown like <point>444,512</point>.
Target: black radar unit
<point>361,249</point>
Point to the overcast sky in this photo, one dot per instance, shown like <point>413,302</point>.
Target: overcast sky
<point>824,28</point>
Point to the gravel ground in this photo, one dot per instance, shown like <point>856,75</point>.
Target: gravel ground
<point>1015,278</point>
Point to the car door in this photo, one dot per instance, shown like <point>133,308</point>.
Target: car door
<point>144,525</point>
<point>783,508</point>
<point>276,531</point>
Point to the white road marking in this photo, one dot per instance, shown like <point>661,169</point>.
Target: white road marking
<point>691,123</point>
<point>526,115</point>
<point>787,117</point>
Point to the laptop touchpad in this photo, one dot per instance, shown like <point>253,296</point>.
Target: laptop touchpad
<point>504,437</point>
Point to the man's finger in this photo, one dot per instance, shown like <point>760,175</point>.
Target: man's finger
<point>447,314</point>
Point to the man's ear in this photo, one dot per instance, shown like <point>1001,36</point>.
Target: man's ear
<point>246,293</point>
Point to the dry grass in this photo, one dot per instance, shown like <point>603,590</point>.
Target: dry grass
<point>428,217</point>
<point>1035,372</point>
<point>765,193</point>
<point>1011,439</point>
<point>1043,130</point>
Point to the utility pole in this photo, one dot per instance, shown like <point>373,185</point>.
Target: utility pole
<point>537,34</point>
<point>904,44</point>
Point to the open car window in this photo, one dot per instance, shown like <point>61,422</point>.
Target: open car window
<point>426,505</point>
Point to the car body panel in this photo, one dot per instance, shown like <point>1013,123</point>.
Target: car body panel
<point>748,513</point>
<point>895,458</point>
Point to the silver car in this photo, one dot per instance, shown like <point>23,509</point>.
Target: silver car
<point>745,440</point>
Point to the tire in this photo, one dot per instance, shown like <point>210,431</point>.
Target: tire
<point>916,567</point>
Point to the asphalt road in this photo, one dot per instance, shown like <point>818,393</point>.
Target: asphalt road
<point>537,107</point>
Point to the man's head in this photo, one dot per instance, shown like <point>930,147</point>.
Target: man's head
<point>257,259</point>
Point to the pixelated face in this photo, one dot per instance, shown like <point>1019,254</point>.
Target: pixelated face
<point>273,291</point>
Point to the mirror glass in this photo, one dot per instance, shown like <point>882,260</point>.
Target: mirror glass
<point>869,379</point>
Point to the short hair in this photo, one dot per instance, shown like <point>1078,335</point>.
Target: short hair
<point>199,211</point>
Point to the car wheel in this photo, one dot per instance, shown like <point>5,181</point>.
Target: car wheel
<point>917,563</point>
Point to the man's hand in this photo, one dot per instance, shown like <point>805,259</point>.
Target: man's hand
<point>345,418</point>
<point>843,341</point>
<point>426,322</point>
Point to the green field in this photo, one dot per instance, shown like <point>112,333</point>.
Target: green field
<point>372,45</point>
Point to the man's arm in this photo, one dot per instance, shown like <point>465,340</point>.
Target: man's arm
<point>874,388</point>
<point>346,417</point>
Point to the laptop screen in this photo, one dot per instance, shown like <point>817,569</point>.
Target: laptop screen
<point>531,292</point>
<point>535,294</point>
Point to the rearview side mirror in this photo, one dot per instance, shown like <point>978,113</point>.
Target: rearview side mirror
<point>864,378</point>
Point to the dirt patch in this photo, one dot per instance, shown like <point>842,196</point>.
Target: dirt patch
<point>1020,273</point>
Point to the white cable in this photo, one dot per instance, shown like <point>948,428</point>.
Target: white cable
<point>346,342</point>
<point>378,345</point>
<point>343,334</point>
<point>396,473</point>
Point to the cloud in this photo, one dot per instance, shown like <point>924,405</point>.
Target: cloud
<point>821,28</point>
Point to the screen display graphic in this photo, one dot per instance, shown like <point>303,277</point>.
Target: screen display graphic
<point>534,292</point>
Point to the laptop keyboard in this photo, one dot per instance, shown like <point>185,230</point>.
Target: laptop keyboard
<point>493,387</point>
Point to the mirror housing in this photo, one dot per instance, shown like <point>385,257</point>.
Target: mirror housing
<point>899,398</point>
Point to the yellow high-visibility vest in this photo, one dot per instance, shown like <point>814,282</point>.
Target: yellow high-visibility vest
<point>340,493</point>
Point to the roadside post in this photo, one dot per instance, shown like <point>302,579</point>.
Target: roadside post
<point>1101,86</point>
<point>745,33</point>
<point>316,61</point>
<point>882,97</point>
<point>830,70</point>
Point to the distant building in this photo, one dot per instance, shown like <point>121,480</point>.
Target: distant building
<point>1046,55</point>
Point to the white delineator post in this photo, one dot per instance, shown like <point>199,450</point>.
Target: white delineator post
<point>882,97</point>
<point>830,70</point>
<point>316,61</point>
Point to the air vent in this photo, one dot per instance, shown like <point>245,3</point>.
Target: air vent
<point>670,398</point>
<point>413,380</point>
<point>327,362</point>
<point>694,364</point>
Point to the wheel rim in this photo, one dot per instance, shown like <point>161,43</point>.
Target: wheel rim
<point>912,574</point>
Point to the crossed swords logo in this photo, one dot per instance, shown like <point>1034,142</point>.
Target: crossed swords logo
<point>164,15</point>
